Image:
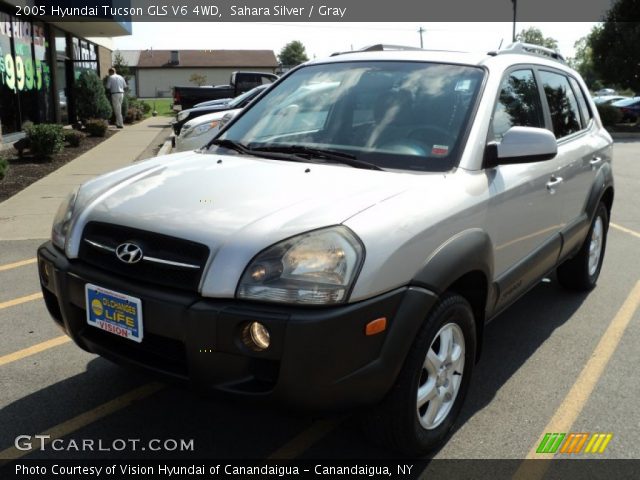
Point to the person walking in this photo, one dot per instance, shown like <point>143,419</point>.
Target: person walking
<point>116,85</point>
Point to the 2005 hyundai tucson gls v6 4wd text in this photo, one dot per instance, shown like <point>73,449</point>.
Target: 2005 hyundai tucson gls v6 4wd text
<point>344,240</point>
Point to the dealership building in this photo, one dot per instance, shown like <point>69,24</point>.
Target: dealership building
<point>40,61</point>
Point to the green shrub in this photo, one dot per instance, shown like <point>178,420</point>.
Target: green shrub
<point>133,115</point>
<point>92,101</point>
<point>144,107</point>
<point>96,127</point>
<point>45,139</point>
<point>609,115</point>
<point>73,137</point>
<point>4,166</point>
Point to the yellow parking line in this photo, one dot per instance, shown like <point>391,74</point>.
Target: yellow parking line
<point>27,352</point>
<point>625,230</point>
<point>18,301</point>
<point>86,418</point>
<point>575,400</point>
<point>21,263</point>
<point>301,442</point>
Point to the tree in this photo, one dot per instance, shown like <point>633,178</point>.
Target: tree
<point>583,60</point>
<point>535,36</point>
<point>121,65</point>
<point>198,79</point>
<point>616,56</point>
<point>91,98</point>
<point>292,54</point>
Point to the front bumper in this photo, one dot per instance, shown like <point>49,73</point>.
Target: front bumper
<point>319,358</point>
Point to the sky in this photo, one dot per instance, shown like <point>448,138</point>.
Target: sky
<point>322,39</point>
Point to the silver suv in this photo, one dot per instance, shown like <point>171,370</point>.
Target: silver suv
<point>344,248</point>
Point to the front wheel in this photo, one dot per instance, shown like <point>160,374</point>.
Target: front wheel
<point>420,410</point>
<point>582,271</point>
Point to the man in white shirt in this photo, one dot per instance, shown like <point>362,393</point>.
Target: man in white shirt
<point>116,85</point>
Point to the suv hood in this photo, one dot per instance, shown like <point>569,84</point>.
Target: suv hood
<point>217,199</point>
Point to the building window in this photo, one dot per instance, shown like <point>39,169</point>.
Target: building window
<point>25,80</point>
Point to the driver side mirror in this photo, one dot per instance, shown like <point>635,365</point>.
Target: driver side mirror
<point>521,145</point>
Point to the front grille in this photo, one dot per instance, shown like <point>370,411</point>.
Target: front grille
<point>154,245</point>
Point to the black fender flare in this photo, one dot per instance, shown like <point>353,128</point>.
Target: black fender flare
<point>602,182</point>
<point>468,251</point>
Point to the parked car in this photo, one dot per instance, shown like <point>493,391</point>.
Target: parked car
<point>605,91</point>
<point>196,133</point>
<point>208,103</point>
<point>345,253</point>
<point>240,82</point>
<point>239,102</point>
<point>630,108</point>
<point>608,99</point>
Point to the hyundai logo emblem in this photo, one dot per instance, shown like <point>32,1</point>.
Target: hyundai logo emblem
<point>129,252</point>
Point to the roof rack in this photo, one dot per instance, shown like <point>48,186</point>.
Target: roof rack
<point>531,49</point>
<point>380,47</point>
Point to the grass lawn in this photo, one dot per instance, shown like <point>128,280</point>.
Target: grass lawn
<point>162,105</point>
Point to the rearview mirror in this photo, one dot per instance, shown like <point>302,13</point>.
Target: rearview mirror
<point>521,145</point>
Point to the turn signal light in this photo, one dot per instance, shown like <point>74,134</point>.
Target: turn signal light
<point>376,326</point>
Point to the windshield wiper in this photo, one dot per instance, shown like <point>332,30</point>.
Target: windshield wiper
<point>245,150</point>
<point>231,145</point>
<point>319,153</point>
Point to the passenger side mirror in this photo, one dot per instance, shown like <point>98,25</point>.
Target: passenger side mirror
<point>521,145</point>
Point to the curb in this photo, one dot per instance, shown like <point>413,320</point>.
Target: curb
<point>166,148</point>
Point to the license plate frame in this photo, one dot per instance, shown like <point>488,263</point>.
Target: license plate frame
<point>114,312</point>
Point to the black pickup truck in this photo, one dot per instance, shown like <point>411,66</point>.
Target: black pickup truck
<point>187,97</point>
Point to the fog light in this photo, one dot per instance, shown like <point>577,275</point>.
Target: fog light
<point>259,335</point>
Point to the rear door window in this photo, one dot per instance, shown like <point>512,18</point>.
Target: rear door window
<point>563,105</point>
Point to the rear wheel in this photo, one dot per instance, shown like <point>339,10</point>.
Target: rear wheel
<point>420,410</point>
<point>582,271</point>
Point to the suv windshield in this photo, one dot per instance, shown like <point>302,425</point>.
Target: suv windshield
<point>395,115</point>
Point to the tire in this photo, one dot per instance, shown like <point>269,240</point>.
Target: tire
<point>398,422</point>
<point>581,272</point>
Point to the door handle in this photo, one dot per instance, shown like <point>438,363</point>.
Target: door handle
<point>595,161</point>
<point>554,182</point>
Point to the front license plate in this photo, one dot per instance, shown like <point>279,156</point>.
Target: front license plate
<point>114,312</point>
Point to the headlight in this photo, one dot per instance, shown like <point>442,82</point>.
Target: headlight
<point>182,115</point>
<point>200,129</point>
<point>317,268</point>
<point>62,220</point>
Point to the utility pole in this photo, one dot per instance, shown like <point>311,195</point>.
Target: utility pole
<point>515,9</point>
<point>421,31</point>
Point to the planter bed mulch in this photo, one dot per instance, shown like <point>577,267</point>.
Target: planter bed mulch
<point>24,171</point>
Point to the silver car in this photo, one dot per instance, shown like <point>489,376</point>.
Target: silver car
<point>347,248</point>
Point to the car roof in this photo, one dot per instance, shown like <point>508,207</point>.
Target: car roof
<point>499,60</point>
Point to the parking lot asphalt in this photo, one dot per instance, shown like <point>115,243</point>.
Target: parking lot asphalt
<point>554,362</point>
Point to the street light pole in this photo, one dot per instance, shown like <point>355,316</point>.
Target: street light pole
<point>421,31</point>
<point>515,9</point>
